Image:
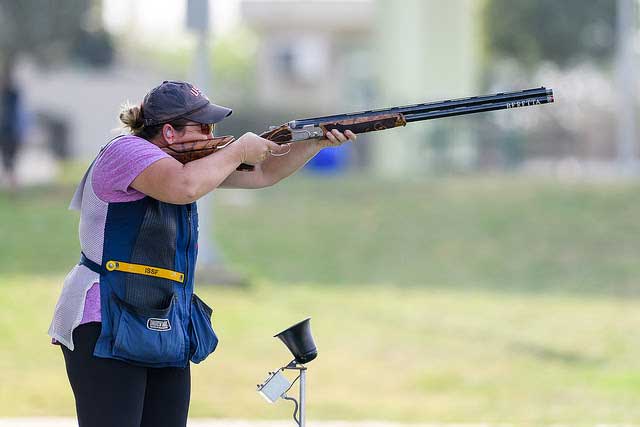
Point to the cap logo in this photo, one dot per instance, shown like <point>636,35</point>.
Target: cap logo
<point>195,91</point>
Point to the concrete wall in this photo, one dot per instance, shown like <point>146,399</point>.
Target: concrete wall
<point>425,50</point>
<point>87,99</point>
<point>319,37</point>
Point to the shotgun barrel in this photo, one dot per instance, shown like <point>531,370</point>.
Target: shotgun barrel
<point>448,108</point>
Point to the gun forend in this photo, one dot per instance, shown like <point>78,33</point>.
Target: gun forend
<point>365,124</point>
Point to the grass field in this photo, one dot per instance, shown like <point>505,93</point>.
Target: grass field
<point>460,300</point>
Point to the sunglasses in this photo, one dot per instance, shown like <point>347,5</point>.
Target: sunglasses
<point>205,128</point>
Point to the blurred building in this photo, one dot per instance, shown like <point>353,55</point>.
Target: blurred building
<point>86,100</point>
<point>425,50</point>
<point>319,57</point>
<point>310,52</point>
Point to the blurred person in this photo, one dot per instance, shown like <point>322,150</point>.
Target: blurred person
<point>127,319</point>
<point>10,134</point>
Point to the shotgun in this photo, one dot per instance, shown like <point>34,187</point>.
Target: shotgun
<point>368,121</point>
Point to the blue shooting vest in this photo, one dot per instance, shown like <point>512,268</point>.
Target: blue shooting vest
<point>149,320</point>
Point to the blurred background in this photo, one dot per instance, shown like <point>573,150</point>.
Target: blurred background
<point>478,269</point>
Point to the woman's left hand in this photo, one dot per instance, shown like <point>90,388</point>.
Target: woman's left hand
<point>336,138</point>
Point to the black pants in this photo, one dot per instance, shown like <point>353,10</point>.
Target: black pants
<point>111,393</point>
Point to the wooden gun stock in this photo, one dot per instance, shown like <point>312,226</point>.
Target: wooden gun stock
<point>189,151</point>
<point>193,150</point>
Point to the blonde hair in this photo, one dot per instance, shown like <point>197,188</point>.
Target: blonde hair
<point>131,118</point>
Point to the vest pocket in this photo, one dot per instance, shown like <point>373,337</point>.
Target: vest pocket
<point>203,339</point>
<point>148,335</point>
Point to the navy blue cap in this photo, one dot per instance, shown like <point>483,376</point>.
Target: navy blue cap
<point>180,100</point>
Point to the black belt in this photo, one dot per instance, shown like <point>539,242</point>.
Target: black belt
<point>97,268</point>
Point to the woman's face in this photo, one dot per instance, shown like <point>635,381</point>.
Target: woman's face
<point>191,131</point>
<point>196,131</point>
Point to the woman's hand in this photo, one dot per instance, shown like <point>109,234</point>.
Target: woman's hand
<point>254,149</point>
<point>335,138</point>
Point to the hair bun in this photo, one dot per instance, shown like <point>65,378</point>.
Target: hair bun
<point>132,118</point>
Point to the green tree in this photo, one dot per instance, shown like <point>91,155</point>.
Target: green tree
<point>50,30</point>
<point>561,31</point>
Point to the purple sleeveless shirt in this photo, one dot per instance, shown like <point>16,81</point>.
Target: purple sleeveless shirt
<point>113,173</point>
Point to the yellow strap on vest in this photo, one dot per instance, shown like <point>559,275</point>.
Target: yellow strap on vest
<point>145,270</point>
